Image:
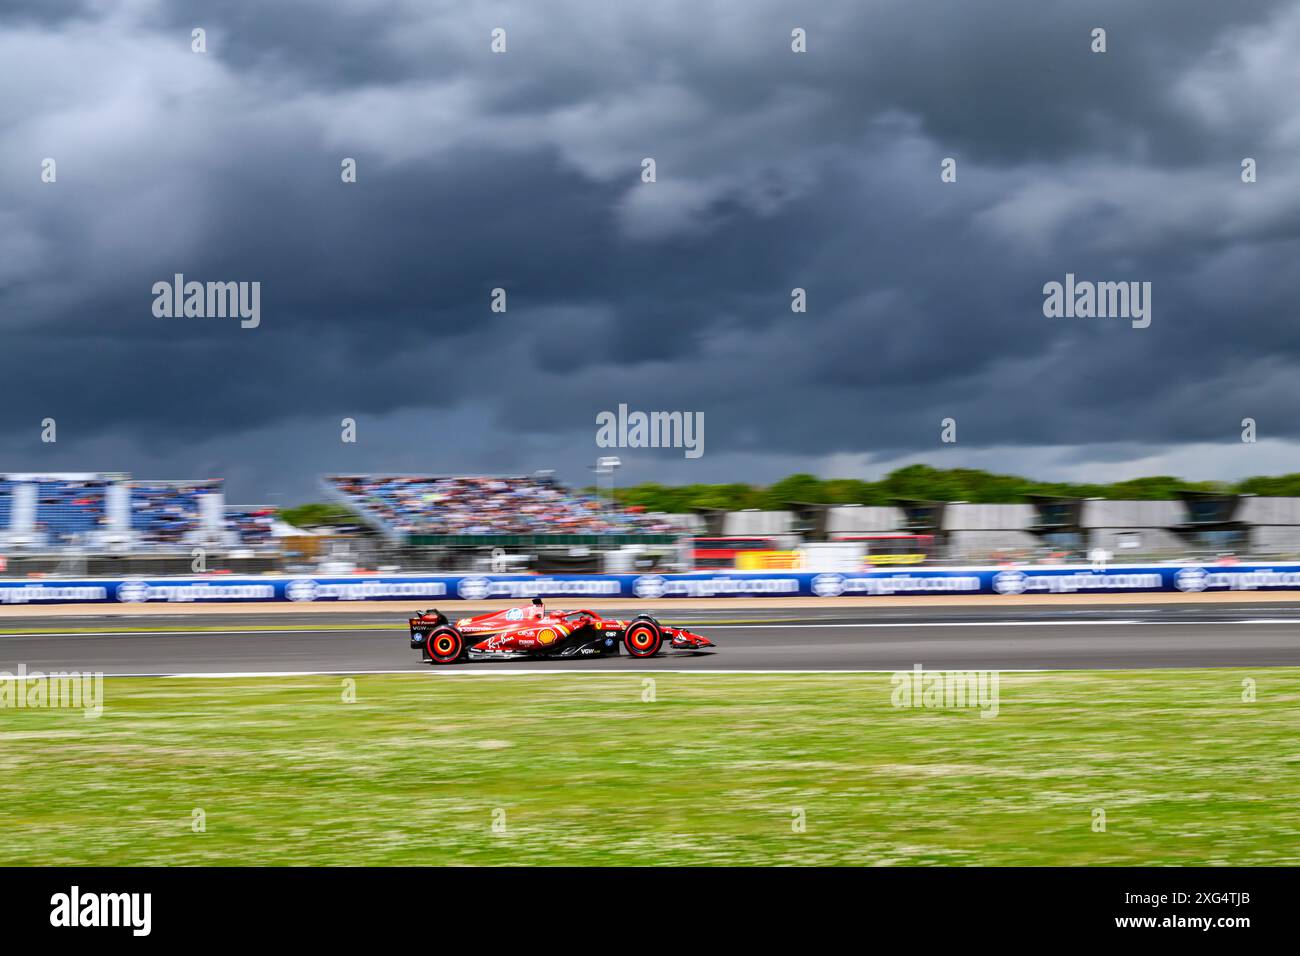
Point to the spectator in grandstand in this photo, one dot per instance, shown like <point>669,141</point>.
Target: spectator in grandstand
<point>164,514</point>
<point>251,525</point>
<point>67,510</point>
<point>470,505</point>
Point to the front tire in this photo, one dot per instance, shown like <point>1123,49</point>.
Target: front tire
<point>444,645</point>
<point>643,638</point>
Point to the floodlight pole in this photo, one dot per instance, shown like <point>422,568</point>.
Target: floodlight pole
<point>607,466</point>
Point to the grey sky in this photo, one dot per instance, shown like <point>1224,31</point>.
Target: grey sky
<point>522,170</point>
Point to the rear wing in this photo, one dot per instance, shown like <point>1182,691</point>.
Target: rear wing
<point>427,620</point>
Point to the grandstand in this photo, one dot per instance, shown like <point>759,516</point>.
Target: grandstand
<point>174,513</point>
<point>70,523</point>
<point>250,527</point>
<point>401,506</point>
<point>6,502</point>
<point>107,512</point>
<point>69,510</point>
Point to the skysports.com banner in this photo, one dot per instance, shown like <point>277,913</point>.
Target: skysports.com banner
<point>653,587</point>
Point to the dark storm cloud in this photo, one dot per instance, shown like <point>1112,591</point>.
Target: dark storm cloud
<point>46,14</point>
<point>521,171</point>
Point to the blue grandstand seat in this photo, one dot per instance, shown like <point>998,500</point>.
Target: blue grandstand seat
<point>67,510</point>
<point>6,504</point>
<point>165,512</point>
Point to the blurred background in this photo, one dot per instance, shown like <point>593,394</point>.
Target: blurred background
<point>75,524</point>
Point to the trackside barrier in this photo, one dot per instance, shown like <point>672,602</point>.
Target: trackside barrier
<point>429,589</point>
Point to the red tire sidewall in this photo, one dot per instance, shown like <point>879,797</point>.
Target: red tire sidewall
<point>650,649</point>
<point>435,637</point>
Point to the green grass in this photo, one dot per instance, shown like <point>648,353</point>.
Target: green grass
<point>709,773</point>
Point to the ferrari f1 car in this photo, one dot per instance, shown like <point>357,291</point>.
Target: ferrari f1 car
<point>533,632</point>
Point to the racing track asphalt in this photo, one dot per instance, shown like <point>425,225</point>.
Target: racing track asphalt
<point>750,638</point>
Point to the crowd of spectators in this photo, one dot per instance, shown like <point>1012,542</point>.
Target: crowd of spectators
<point>68,509</point>
<point>451,505</point>
<point>164,513</point>
<point>251,525</point>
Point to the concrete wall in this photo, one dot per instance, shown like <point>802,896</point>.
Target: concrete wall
<point>968,517</point>
<point>983,542</point>
<point>1269,511</point>
<point>1148,540</point>
<point>860,519</point>
<point>1133,514</point>
<point>757,522</point>
<point>1275,539</point>
<point>683,523</point>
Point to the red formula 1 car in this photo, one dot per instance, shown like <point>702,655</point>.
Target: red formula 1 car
<point>534,632</point>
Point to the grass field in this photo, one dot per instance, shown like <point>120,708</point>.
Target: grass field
<point>581,770</point>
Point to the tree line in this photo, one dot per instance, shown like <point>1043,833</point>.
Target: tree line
<point>930,484</point>
<point>915,481</point>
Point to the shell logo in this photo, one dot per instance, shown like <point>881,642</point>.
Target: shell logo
<point>545,636</point>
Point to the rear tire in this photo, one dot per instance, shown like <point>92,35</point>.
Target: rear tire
<point>444,645</point>
<point>643,638</point>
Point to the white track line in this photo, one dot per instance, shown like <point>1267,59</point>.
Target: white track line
<point>756,627</point>
<point>804,626</point>
<point>761,627</point>
<point>462,671</point>
<point>305,631</point>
